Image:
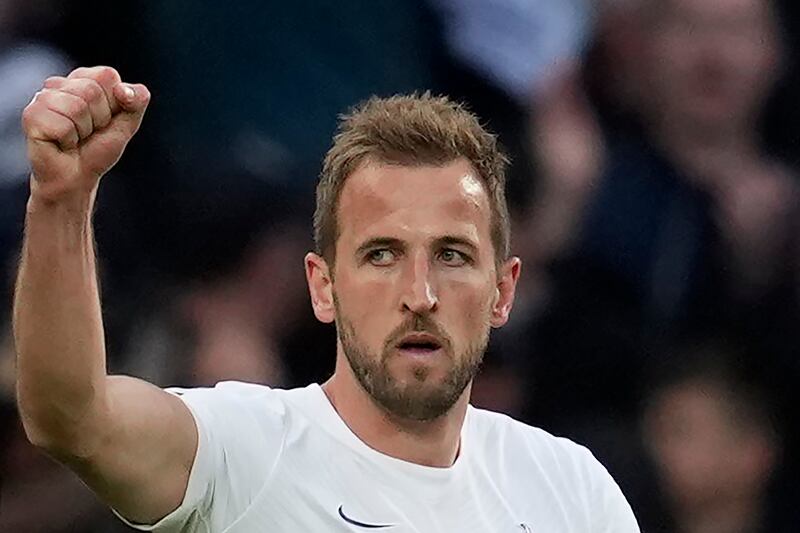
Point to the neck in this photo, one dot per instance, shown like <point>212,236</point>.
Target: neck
<point>431,443</point>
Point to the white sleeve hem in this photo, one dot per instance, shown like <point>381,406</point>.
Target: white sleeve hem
<point>195,488</point>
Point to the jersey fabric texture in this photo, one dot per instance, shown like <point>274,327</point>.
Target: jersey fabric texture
<point>282,461</point>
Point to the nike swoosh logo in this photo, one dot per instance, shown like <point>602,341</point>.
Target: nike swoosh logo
<point>362,524</point>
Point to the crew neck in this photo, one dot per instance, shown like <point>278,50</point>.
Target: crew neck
<point>319,408</point>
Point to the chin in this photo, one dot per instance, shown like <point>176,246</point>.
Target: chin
<point>419,392</point>
<point>420,401</point>
<point>421,381</point>
<point>428,374</point>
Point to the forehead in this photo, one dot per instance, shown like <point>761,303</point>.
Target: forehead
<point>390,200</point>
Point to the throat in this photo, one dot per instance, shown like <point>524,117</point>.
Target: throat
<point>434,443</point>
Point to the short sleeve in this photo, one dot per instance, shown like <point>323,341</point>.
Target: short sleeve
<point>241,431</point>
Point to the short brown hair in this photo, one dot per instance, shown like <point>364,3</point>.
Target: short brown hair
<point>410,130</point>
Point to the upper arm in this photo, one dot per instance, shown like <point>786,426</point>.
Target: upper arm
<point>140,456</point>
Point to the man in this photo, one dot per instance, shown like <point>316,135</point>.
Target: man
<point>412,265</point>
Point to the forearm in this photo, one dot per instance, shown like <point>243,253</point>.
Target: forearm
<point>57,322</point>
<point>131,442</point>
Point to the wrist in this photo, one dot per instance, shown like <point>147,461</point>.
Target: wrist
<point>78,204</point>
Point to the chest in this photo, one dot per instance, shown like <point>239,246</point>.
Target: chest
<point>350,494</point>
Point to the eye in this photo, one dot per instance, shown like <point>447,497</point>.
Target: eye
<point>381,257</point>
<point>452,257</point>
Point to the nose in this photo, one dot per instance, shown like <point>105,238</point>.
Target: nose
<point>419,293</point>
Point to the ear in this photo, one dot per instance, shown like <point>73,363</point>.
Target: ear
<point>320,287</point>
<point>507,279</point>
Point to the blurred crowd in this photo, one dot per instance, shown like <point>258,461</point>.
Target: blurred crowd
<point>654,190</point>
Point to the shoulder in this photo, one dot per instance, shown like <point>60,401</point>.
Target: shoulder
<point>533,449</point>
<point>242,428</point>
<point>497,428</point>
<point>566,470</point>
<point>234,408</point>
<point>241,431</point>
<point>238,394</point>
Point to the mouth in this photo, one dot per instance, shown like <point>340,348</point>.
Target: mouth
<point>419,344</point>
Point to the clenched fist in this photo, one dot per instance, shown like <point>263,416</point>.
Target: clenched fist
<point>77,128</point>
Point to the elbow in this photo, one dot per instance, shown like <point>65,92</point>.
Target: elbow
<point>60,436</point>
<point>65,446</point>
<point>39,436</point>
<point>42,429</point>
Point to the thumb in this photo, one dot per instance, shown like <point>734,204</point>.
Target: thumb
<point>133,100</point>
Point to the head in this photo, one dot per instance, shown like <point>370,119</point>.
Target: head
<point>710,432</point>
<point>709,63</point>
<point>412,250</point>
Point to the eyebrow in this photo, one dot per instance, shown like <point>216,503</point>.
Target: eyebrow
<point>379,242</point>
<point>455,240</point>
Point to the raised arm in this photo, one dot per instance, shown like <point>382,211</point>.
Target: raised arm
<point>130,441</point>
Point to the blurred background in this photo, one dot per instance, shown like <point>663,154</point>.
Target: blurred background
<point>654,191</point>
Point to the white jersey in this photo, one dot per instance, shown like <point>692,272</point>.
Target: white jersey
<point>282,461</point>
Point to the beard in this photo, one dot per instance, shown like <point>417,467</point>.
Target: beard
<point>418,399</point>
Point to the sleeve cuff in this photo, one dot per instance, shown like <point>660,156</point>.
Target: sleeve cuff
<point>188,511</point>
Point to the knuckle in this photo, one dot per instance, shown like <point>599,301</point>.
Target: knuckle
<point>54,82</point>
<point>50,98</point>
<point>36,95</point>
<point>101,74</point>
<point>77,106</point>
<point>77,73</point>
<point>44,96</point>
<point>65,132</point>
<point>29,115</point>
<point>108,73</point>
<point>62,129</point>
<point>31,108</point>
<point>80,88</point>
<point>92,90</point>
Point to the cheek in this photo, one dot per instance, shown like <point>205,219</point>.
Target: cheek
<point>367,307</point>
<point>470,302</point>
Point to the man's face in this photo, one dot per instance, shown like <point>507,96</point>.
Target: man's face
<point>711,61</point>
<point>415,283</point>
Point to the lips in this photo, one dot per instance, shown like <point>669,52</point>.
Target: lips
<point>419,343</point>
